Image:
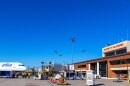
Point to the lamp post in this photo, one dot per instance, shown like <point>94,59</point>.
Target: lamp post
<point>83,51</point>
<point>72,40</point>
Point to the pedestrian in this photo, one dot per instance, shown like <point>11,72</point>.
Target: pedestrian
<point>22,74</point>
<point>29,74</point>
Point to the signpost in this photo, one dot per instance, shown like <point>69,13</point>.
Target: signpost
<point>89,77</point>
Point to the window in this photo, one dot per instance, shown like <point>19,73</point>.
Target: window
<point>94,67</point>
<point>82,66</point>
<point>110,53</point>
<point>117,62</point>
<point>128,60</point>
<point>21,65</point>
<point>116,52</point>
<point>121,51</point>
<point>103,69</point>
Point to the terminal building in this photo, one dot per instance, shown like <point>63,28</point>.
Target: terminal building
<point>115,61</point>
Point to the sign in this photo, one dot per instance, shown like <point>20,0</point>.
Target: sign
<point>114,47</point>
<point>89,77</point>
<point>7,65</point>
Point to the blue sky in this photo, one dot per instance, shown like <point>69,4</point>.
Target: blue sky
<point>30,30</point>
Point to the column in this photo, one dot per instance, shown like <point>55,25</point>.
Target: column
<point>89,67</point>
<point>97,68</point>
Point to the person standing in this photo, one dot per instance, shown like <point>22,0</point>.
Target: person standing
<point>23,74</point>
<point>29,74</point>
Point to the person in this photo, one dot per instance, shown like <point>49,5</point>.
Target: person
<point>29,74</point>
<point>81,76</point>
<point>16,75</point>
<point>121,76</point>
<point>26,74</point>
<point>23,74</point>
<point>13,74</point>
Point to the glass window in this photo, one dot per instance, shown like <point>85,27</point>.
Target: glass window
<point>94,67</point>
<point>103,69</point>
<point>21,65</point>
<point>82,66</point>
<point>110,53</point>
<point>121,51</point>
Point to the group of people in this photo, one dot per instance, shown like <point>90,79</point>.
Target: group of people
<point>23,74</point>
<point>15,74</point>
<point>26,74</point>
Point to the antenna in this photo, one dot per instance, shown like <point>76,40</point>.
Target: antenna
<point>118,37</point>
<point>109,42</point>
<point>122,39</point>
<point>127,34</point>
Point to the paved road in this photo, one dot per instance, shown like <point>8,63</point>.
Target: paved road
<point>32,82</point>
<point>98,82</point>
<point>23,82</point>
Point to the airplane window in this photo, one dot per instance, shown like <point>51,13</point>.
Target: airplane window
<point>21,65</point>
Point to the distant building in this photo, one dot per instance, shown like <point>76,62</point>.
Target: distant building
<point>51,66</point>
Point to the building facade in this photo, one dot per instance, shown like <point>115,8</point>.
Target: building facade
<point>115,61</point>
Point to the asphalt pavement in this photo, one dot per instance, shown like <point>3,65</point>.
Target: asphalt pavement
<point>32,82</point>
<point>23,82</point>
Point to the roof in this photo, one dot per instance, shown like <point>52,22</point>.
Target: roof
<point>104,58</point>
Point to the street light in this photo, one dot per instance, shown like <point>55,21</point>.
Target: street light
<point>72,40</point>
<point>83,51</point>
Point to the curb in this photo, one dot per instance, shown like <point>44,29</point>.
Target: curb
<point>51,83</point>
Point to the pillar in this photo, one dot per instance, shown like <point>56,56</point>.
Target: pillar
<point>97,68</point>
<point>89,67</point>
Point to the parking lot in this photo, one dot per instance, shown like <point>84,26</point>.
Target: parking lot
<point>32,82</point>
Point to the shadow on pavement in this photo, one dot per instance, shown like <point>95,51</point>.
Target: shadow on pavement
<point>99,84</point>
<point>64,84</point>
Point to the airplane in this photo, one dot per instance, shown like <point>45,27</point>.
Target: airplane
<point>7,68</point>
<point>12,66</point>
